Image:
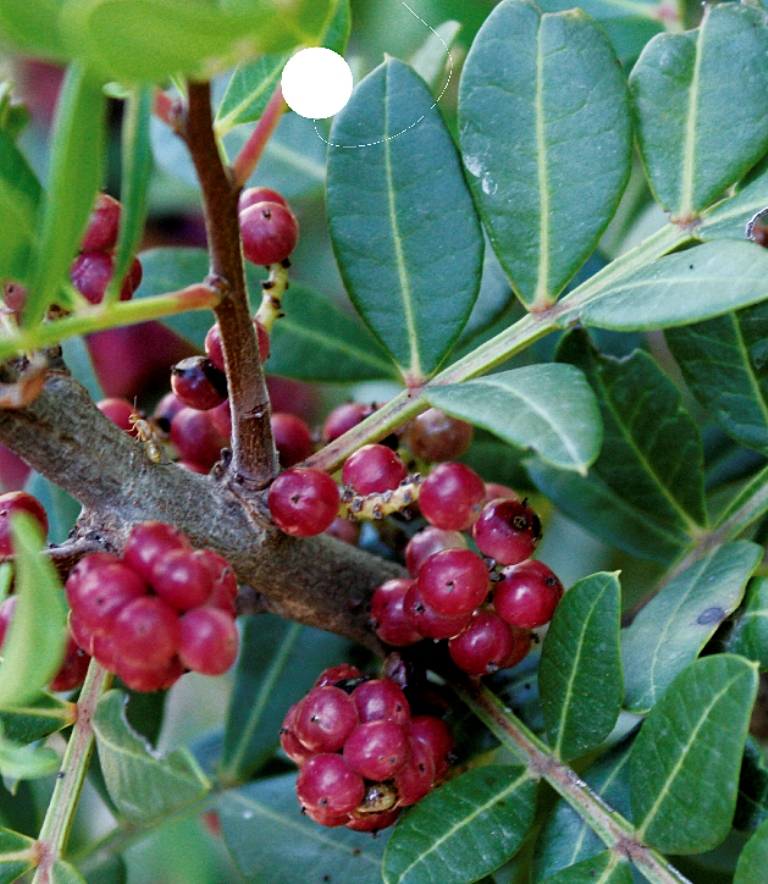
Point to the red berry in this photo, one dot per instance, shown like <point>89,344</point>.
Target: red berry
<point>494,490</point>
<point>293,438</point>
<point>148,541</point>
<point>381,698</point>
<point>142,678</point>
<point>198,383</point>
<point>527,594</point>
<point>436,437</point>
<point>146,633</point>
<point>344,530</point>
<point>523,640</point>
<point>427,542</point>
<point>208,641</point>
<point>167,408</point>
<point>73,668</point>
<point>269,232</point>
<point>104,591</point>
<point>454,582</point>
<point>507,531</point>
<point>344,418</point>
<point>388,617</point>
<point>19,502</point>
<point>303,502</point>
<point>373,822</point>
<point>484,646</point>
<point>182,578</point>
<point>215,352</point>
<point>415,779</point>
<point>325,719</point>
<point>428,622</point>
<point>373,469</point>
<point>195,437</point>
<point>290,743</point>
<point>221,419</point>
<point>437,736</point>
<point>103,225</point>
<point>224,592</point>
<point>377,750</point>
<point>336,673</point>
<point>451,496</point>
<point>326,782</point>
<point>119,411</point>
<point>253,195</point>
<point>92,272</point>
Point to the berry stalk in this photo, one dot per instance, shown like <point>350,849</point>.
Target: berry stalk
<point>251,152</point>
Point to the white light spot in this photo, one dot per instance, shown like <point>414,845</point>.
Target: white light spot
<point>316,83</point>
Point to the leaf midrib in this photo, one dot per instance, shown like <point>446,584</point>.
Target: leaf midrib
<point>540,295</point>
<point>689,149</point>
<point>336,344</point>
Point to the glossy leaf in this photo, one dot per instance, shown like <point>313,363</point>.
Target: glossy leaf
<point>143,784</point>
<point>74,178</point>
<point>150,40</point>
<point>34,646</point>
<point>725,363</point>
<point>604,868</point>
<point>699,127</point>
<point>683,287</point>
<point>749,634</point>
<point>19,199</point>
<point>728,219</point>
<point>43,715</point>
<point>671,630</point>
<point>404,231</point>
<point>699,724</point>
<point>316,341</point>
<point>19,762</point>
<point>464,830</point>
<point>565,838</point>
<point>546,139</point>
<point>753,859</point>
<point>17,855</point>
<point>752,798</point>
<point>547,409</point>
<point>278,664</point>
<point>270,840</point>
<point>433,58</point>
<point>580,678</point>
<point>652,454</point>
<point>32,26</point>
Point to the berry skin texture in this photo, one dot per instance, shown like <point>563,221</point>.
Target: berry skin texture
<point>484,646</point>
<point>303,502</point>
<point>98,597</point>
<point>208,641</point>
<point>507,531</point>
<point>373,469</point>
<point>435,437</point>
<point>269,232</point>
<point>290,743</point>
<point>452,496</point>
<point>92,272</point>
<point>381,698</point>
<point>253,195</point>
<point>336,673</point>
<point>119,411</point>
<point>15,502</point>
<point>326,782</point>
<point>103,225</point>
<point>181,578</point>
<point>195,437</point>
<point>454,582</point>
<point>148,541</point>
<point>198,383</point>
<point>426,543</point>
<point>428,622</point>
<point>388,615</point>
<point>527,594</point>
<point>73,668</point>
<point>415,779</point>
<point>325,719</point>
<point>437,736</point>
<point>293,438</point>
<point>344,418</point>
<point>377,750</point>
<point>146,633</point>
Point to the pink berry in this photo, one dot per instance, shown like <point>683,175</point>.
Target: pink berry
<point>494,490</point>
<point>334,674</point>
<point>146,633</point>
<point>293,438</point>
<point>436,437</point>
<point>167,408</point>
<point>527,594</point>
<point>100,596</point>
<point>428,622</point>
<point>377,750</point>
<point>73,668</point>
<point>454,582</point>
<point>208,641</point>
<point>253,195</point>
<point>303,502</point>
<point>373,469</point>
<point>326,782</point>
<point>452,496</point>
<point>381,698</point>
<point>119,411</point>
<point>269,232</point>
<point>148,541</point>
<point>215,352</point>
<point>507,531</point>
<point>18,502</point>
<point>143,678</point>
<point>325,719</point>
<point>92,272</point>
<point>523,640</point>
<point>290,743</point>
<point>427,542</point>
<point>182,578</point>
<point>388,617</point>
<point>221,419</point>
<point>415,779</point>
<point>484,646</point>
<point>344,530</point>
<point>344,418</point>
<point>195,437</point>
<point>437,736</point>
<point>198,383</point>
<point>103,225</point>
<point>224,592</point>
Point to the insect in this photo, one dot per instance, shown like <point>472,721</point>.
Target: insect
<point>146,435</point>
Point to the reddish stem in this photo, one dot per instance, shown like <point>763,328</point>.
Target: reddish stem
<point>167,109</point>
<point>250,154</point>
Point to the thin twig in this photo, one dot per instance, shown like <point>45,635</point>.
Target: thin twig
<point>250,153</point>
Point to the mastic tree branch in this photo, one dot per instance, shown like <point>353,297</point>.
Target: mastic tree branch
<point>319,581</point>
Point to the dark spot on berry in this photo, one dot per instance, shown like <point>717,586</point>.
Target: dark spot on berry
<point>520,522</point>
<point>550,581</point>
<point>713,614</point>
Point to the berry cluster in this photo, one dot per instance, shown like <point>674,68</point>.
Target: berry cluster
<point>157,611</point>
<point>362,756</point>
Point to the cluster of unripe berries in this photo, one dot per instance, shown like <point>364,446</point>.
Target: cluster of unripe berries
<point>362,756</point>
<point>160,609</point>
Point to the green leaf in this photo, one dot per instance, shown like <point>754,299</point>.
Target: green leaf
<point>270,840</point>
<point>652,455</point>
<point>34,646</point>
<point>144,785</point>
<point>32,26</point>
<point>74,179</point>
<point>278,664</point>
<point>671,630</point>
<point>64,873</point>
<point>725,363</point>
<point>548,409</point>
<point>18,762</point>
<point>580,678</point>
<point>699,725</point>
<point>699,127</point>
<point>749,635</point>
<point>546,138</point>
<point>111,870</point>
<point>316,341</point>
<point>680,288</point>
<point>463,830</point>
<point>136,160</point>
<point>402,223</point>
<point>18,854</point>
<point>150,40</point>
<point>753,859</point>
<point>62,509</point>
<point>729,218</point>
<point>752,798</point>
<point>434,55</point>
<point>603,868</point>
<point>19,200</point>
<point>566,838</point>
<point>43,715</point>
